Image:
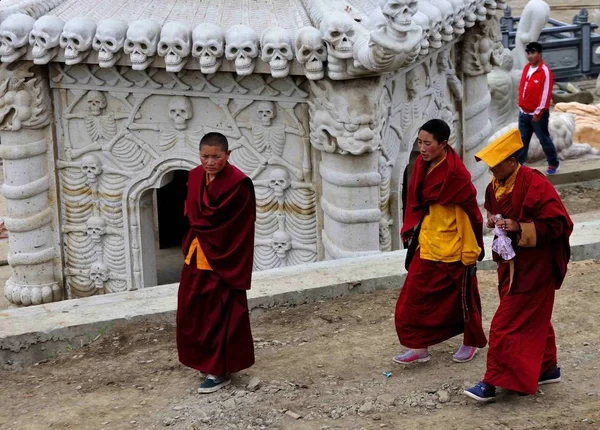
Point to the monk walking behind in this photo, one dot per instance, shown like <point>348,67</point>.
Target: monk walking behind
<point>213,322</point>
<point>522,351</point>
<point>440,299</point>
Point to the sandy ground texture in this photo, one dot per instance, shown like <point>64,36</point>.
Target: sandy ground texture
<point>319,366</point>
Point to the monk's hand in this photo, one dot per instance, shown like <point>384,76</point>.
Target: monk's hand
<point>491,221</point>
<point>508,225</point>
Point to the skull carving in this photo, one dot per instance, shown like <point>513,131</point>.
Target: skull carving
<point>447,12</point>
<point>338,33</point>
<point>180,110</point>
<point>279,181</point>
<point>91,167</point>
<point>459,15</point>
<point>209,47</point>
<point>414,82</point>
<point>99,274</point>
<point>480,10</point>
<point>266,112</point>
<point>435,24</point>
<point>95,228</point>
<point>45,38</point>
<point>14,36</point>
<point>399,13</point>
<point>311,52</point>
<point>96,102</point>
<point>76,39</point>
<point>242,48</point>
<point>470,17</point>
<point>175,45</point>
<point>277,51</point>
<point>282,243</point>
<point>422,21</point>
<point>109,40</point>
<point>141,41</point>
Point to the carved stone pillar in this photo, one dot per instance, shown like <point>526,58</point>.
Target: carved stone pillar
<point>345,126</point>
<point>481,51</point>
<point>25,114</point>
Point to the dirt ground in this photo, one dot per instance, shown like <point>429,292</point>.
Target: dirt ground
<point>322,361</point>
<point>582,197</point>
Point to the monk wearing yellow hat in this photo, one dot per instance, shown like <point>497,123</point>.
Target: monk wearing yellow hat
<point>521,202</point>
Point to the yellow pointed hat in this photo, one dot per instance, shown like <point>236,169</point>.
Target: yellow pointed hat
<point>501,148</point>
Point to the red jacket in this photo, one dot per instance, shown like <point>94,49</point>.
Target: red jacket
<point>535,93</point>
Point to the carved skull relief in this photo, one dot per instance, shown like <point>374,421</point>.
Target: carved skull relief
<point>109,40</point>
<point>277,51</point>
<point>96,102</point>
<point>91,167</point>
<point>14,36</point>
<point>422,21</point>
<point>459,15</point>
<point>95,228</point>
<point>311,52</point>
<point>282,243</point>
<point>447,12</point>
<point>99,274</point>
<point>141,41</point>
<point>76,39</point>
<point>266,112</point>
<point>435,24</point>
<point>180,110</point>
<point>175,45</point>
<point>279,181</point>
<point>242,48</point>
<point>470,17</point>
<point>45,38</point>
<point>338,33</point>
<point>208,47</point>
<point>399,13</point>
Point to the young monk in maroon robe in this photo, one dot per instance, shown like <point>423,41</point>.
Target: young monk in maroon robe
<point>440,299</point>
<point>522,352</point>
<point>213,323</point>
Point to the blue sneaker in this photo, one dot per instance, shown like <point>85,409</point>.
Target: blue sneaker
<point>550,376</point>
<point>213,383</point>
<point>482,392</point>
<point>552,170</point>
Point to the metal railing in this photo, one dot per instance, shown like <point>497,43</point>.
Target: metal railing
<point>569,49</point>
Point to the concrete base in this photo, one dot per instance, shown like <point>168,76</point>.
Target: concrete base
<point>33,334</point>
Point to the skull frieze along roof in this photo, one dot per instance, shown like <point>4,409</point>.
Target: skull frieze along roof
<point>316,38</point>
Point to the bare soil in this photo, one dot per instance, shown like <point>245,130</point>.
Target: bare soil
<point>582,197</point>
<point>323,361</point>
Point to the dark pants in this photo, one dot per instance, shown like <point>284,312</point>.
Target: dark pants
<point>527,126</point>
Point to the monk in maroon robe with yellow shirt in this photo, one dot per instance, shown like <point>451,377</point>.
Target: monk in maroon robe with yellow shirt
<point>440,299</point>
<point>522,351</point>
<point>213,322</point>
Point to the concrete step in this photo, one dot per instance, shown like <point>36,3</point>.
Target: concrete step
<point>573,171</point>
<point>29,335</point>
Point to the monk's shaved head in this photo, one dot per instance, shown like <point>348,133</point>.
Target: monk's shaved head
<point>215,139</point>
<point>438,129</point>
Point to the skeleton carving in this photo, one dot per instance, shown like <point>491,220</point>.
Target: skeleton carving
<point>109,40</point>
<point>175,45</point>
<point>180,110</point>
<point>423,21</point>
<point>435,24</point>
<point>339,34</point>
<point>14,34</point>
<point>399,13</point>
<point>95,228</point>
<point>279,182</point>
<point>470,17</point>
<point>266,113</point>
<point>99,274</point>
<point>45,38</point>
<point>91,167</point>
<point>277,51</point>
<point>459,7</point>
<point>242,48</point>
<point>76,39</point>
<point>311,52</point>
<point>447,12</point>
<point>141,42</point>
<point>282,243</point>
<point>209,47</point>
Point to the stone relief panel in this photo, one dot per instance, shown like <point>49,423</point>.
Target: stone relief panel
<point>431,89</point>
<point>115,141</point>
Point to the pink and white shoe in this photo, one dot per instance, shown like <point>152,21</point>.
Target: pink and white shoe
<point>411,357</point>
<point>465,354</point>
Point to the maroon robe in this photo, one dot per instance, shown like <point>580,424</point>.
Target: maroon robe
<point>213,322</point>
<point>440,300</point>
<point>522,342</point>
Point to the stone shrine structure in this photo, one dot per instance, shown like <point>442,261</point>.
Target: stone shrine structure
<point>103,103</point>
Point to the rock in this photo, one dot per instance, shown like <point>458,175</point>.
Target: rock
<point>253,384</point>
<point>366,408</point>
<point>168,422</point>
<point>293,415</point>
<point>386,400</point>
<point>178,408</point>
<point>205,420</point>
<point>584,97</point>
<point>444,396</point>
<point>335,414</point>
<point>229,404</point>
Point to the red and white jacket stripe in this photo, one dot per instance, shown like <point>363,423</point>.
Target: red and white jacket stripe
<point>535,93</point>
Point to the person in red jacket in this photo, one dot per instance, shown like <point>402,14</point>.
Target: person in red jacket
<point>535,93</point>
